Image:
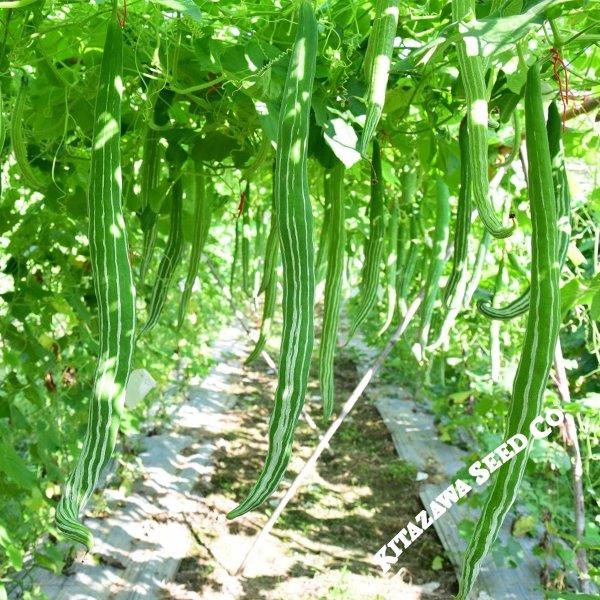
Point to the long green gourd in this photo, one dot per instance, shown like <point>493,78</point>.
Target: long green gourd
<point>455,289</point>
<point>481,255</point>
<point>271,253</point>
<point>115,292</point>
<point>540,335</point>
<point>374,245</point>
<point>152,155</point>
<point>378,60</point>
<point>236,255</point>
<point>333,288</point>
<point>473,77</point>
<point>16,136</point>
<point>259,246</point>
<point>149,176</point>
<point>438,259</point>
<point>409,181</point>
<point>170,259</point>
<point>463,222</point>
<point>245,243</point>
<point>294,215</point>
<point>202,219</point>
<point>267,315</point>
<point>401,251</point>
<point>269,287</point>
<point>563,208</point>
<point>391,264</point>
<point>323,243</point>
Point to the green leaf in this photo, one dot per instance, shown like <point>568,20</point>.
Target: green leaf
<point>493,35</point>
<point>186,7</point>
<point>342,139</point>
<point>595,307</point>
<point>524,525</point>
<point>215,146</point>
<point>15,467</point>
<point>569,294</point>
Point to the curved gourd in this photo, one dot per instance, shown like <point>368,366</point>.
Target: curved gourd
<point>202,219</point>
<point>333,288</point>
<point>541,334</point>
<point>563,208</point>
<point>377,66</point>
<point>115,292</point>
<point>374,245</point>
<point>473,77</point>
<point>294,215</point>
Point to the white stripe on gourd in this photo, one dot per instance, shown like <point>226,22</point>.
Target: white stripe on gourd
<point>292,205</point>
<point>115,292</point>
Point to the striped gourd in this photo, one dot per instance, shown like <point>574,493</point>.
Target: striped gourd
<point>267,315</point>
<point>540,335</point>
<point>563,208</point>
<point>324,233</point>
<point>115,292</point>
<point>391,263</point>
<point>259,246</point>
<point>481,255</point>
<point>245,243</point>
<point>333,288</point>
<point>149,176</point>
<point>202,219</point>
<point>16,136</point>
<point>269,287</point>
<point>401,251</point>
<point>377,65</point>
<point>170,259</point>
<point>152,155</point>
<point>373,246</point>
<point>409,181</point>
<point>236,254</point>
<point>463,223</point>
<point>455,289</point>
<point>271,253</point>
<point>294,216</point>
<point>438,259</point>
<point>473,77</point>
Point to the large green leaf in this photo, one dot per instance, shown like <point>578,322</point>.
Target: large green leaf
<point>15,467</point>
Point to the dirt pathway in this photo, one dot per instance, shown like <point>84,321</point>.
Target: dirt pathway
<point>322,545</point>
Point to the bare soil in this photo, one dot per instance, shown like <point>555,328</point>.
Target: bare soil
<point>321,548</point>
